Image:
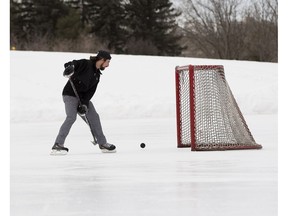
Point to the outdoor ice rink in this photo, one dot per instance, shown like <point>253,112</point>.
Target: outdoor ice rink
<point>136,102</point>
<point>157,180</point>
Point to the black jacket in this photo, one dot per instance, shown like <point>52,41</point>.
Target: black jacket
<point>85,78</point>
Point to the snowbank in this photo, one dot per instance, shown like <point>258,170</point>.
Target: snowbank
<point>132,87</point>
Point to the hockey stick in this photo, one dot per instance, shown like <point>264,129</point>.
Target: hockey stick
<point>84,117</point>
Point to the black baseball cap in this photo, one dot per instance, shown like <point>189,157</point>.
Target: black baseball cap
<point>103,54</point>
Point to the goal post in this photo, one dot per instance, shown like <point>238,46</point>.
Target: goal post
<point>208,116</point>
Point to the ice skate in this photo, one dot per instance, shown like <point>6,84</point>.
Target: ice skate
<point>107,148</point>
<point>58,149</point>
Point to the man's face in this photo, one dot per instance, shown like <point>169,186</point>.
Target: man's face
<point>104,64</point>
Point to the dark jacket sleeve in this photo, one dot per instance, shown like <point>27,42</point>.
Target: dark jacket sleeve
<point>82,79</point>
<point>78,77</point>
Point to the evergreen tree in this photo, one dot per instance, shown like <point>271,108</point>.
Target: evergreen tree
<point>82,7</point>
<point>154,22</point>
<point>106,20</point>
<point>69,26</point>
<point>108,23</point>
<point>47,14</point>
<point>22,18</point>
<point>34,18</point>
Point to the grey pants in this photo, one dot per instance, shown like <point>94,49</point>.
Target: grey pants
<point>71,104</point>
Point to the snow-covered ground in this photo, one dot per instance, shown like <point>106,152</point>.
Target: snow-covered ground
<point>136,100</point>
<point>132,87</point>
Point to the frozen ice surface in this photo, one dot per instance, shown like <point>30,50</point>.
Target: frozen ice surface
<point>157,180</point>
<point>136,102</point>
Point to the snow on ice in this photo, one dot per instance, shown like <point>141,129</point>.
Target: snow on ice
<point>136,102</point>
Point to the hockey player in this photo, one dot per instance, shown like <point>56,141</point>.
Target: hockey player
<point>84,75</point>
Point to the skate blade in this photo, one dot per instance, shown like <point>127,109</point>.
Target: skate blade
<point>108,151</point>
<point>58,152</point>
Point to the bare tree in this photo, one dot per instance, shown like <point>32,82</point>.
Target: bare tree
<point>232,29</point>
<point>262,30</point>
<point>213,26</point>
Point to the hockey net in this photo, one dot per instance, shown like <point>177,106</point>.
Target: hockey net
<point>208,117</point>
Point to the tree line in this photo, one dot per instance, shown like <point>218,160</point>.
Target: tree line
<point>224,29</point>
<point>232,29</point>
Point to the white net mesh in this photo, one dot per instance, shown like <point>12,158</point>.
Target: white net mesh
<point>208,115</point>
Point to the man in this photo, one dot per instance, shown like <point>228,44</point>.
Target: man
<point>84,75</point>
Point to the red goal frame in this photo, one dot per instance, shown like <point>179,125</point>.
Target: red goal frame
<point>251,144</point>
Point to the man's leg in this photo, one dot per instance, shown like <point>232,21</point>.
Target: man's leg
<point>71,104</point>
<point>95,123</point>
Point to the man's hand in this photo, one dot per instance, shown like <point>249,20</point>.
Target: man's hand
<point>82,110</point>
<point>69,71</point>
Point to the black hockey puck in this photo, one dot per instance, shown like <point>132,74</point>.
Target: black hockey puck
<point>142,145</point>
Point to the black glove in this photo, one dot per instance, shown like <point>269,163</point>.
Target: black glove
<point>82,110</point>
<point>69,71</point>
